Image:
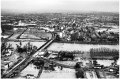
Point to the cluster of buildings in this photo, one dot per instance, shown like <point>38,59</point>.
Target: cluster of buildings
<point>79,28</point>
<point>70,27</point>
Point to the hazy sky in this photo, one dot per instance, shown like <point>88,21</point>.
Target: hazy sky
<point>25,6</point>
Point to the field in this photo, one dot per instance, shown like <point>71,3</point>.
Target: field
<point>30,69</point>
<point>32,33</point>
<point>59,74</point>
<point>16,34</point>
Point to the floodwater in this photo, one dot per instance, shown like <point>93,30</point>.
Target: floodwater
<point>67,46</point>
<point>58,74</point>
<point>78,47</point>
<point>65,73</point>
<point>82,47</point>
<point>30,69</point>
<point>105,62</point>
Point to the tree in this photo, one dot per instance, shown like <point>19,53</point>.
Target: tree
<point>57,38</point>
<point>74,36</point>
<point>21,49</point>
<point>6,28</point>
<point>38,63</point>
<point>4,47</point>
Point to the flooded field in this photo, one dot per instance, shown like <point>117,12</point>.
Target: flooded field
<point>35,34</point>
<point>16,33</point>
<point>59,74</point>
<point>47,74</point>
<point>78,47</point>
<point>105,62</point>
<point>65,72</point>
<point>14,36</point>
<point>30,69</point>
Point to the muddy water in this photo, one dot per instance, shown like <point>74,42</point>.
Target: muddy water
<point>78,47</point>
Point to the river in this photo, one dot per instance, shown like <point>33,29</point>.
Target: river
<point>68,46</point>
<point>30,69</point>
<point>78,47</point>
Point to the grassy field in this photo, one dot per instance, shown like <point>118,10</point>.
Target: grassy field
<point>32,33</point>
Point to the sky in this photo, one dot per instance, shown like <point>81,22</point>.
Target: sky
<point>42,6</point>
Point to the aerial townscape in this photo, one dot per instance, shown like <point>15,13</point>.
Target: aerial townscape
<point>60,45</point>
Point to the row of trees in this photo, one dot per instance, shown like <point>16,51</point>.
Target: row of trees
<point>5,47</point>
<point>94,53</point>
<point>67,55</point>
<point>28,48</point>
<point>102,52</point>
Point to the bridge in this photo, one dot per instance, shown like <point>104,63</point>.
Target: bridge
<point>24,63</point>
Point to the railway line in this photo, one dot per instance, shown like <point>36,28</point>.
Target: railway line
<point>20,66</point>
<point>25,62</point>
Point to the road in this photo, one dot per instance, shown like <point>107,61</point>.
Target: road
<point>25,62</point>
<point>20,66</point>
<point>16,35</point>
